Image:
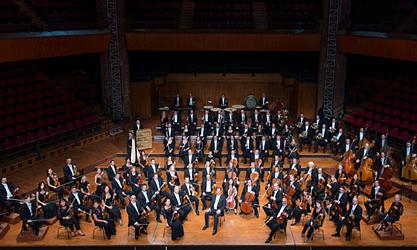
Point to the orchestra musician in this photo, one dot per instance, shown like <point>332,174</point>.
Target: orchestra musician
<point>76,199</point>
<point>188,189</point>
<point>176,121</point>
<point>408,153</point>
<point>263,147</point>
<point>383,161</point>
<point>53,183</point>
<point>230,191</point>
<point>278,221</point>
<point>180,205</point>
<point>247,147</point>
<point>192,121</point>
<point>177,102</point>
<point>263,101</point>
<point>351,219</point>
<point>279,145</point>
<point>151,169</point>
<point>29,216</point>
<point>163,121</point>
<point>169,147</point>
<point>338,141</point>
<point>119,188</point>
<point>316,221</point>
<point>190,158</point>
<point>145,199</point>
<point>216,147</point>
<point>306,135</point>
<point>394,212</point>
<point>209,169</point>
<point>137,216</point>
<point>223,102</point>
<point>177,230</point>
<point>254,189</point>
<point>199,149</point>
<point>138,126</point>
<point>70,171</point>
<point>323,136</point>
<point>207,120</point>
<point>376,200</point>
<point>339,204</point>
<point>191,101</point>
<point>102,220</point>
<point>216,209</point>
<point>274,200</point>
<point>98,181</point>
<point>293,151</point>
<point>172,177</point>
<point>206,190</point>
<point>111,170</point>
<point>68,218</point>
<point>110,205</point>
<point>169,133</point>
<point>303,207</point>
<point>362,155</point>
<point>49,208</point>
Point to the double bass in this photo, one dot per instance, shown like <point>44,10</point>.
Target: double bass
<point>348,165</point>
<point>409,171</point>
<point>365,172</point>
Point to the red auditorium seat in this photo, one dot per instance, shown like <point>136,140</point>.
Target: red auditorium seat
<point>404,135</point>
<point>10,110</point>
<point>371,106</point>
<point>10,120</point>
<point>396,112</point>
<point>20,129</point>
<point>368,115</point>
<point>9,132</point>
<point>396,122</point>
<point>69,125</point>
<point>405,115</point>
<point>414,117</point>
<point>30,137</point>
<point>384,129</point>
<point>51,131</point>
<point>40,123</point>
<point>394,132</point>
<point>405,124</point>
<point>41,134</point>
<point>386,119</point>
<point>8,144</point>
<point>30,126</point>
<point>387,110</point>
<point>19,140</point>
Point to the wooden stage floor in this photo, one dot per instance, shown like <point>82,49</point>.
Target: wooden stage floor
<point>236,231</point>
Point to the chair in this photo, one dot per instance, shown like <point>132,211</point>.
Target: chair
<point>357,228</point>
<point>129,228</point>
<point>61,228</point>
<point>166,228</point>
<point>318,230</point>
<point>97,228</point>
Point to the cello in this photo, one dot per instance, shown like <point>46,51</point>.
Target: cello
<point>246,206</point>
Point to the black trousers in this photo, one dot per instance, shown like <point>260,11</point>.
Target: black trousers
<point>108,227</point>
<point>215,216</point>
<point>156,208</point>
<point>71,223</point>
<point>275,226</point>
<point>349,227</point>
<point>309,226</point>
<point>196,201</point>
<point>204,199</point>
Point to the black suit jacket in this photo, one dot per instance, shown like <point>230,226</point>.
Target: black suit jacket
<point>133,215</point>
<point>221,204</point>
<point>357,213</point>
<point>25,212</point>
<point>3,192</point>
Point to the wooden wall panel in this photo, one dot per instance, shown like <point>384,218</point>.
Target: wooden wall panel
<point>236,87</point>
<point>381,47</point>
<point>141,101</point>
<point>181,41</point>
<point>16,49</point>
<point>307,99</point>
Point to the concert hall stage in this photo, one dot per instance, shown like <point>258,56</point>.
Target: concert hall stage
<point>236,232</point>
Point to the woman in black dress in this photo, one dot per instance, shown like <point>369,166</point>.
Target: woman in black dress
<point>68,218</point>
<point>98,180</point>
<point>316,221</point>
<point>109,205</point>
<point>49,209</point>
<point>53,183</point>
<point>103,220</point>
<point>177,230</point>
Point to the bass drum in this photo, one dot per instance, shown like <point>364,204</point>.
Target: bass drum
<point>250,102</point>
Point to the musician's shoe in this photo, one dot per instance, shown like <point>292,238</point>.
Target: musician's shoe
<point>268,240</point>
<point>144,231</point>
<point>204,208</point>
<point>197,212</point>
<point>214,232</point>
<point>205,227</point>
<point>159,220</point>
<point>347,237</point>
<point>136,236</point>
<point>336,235</point>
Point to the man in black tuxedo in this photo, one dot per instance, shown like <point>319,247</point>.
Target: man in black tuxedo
<point>263,101</point>
<point>192,122</point>
<point>145,198</point>
<point>7,191</point>
<point>362,155</point>
<point>177,202</point>
<point>307,139</point>
<point>206,190</point>
<point>274,199</point>
<point>188,189</point>
<point>250,187</point>
<point>189,158</point>
<point>76,199</point>
<point>137,216</point>
<point>191,102</point>
<point>223,102</point>
<point>169,132</point>
<point>341,198</point>
<point>232,144</point>
<point>151,169</point>
<point>28,215</point>
<point>111,171</point>
<point>207,119</point>
<point>69,171</point>
<point>218,204</point>
<point>177,102</point>
<point>117,185</point>
<point>138,126</point>
<point>351,219</point>
<point>376,200</point>
<point>263,147</point>
<point>339,143</point>
<point>247,147</point>
<point>323,137</point>
<point>284,211</point>
<point>216,147</point>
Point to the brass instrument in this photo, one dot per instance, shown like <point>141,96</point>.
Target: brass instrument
<point>303,135</point>
<point>334,139</point>
<point>315,126</point>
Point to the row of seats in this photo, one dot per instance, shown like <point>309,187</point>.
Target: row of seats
<point>296,14</point>
<point>12,18</point>
<point>223,14</point>
<point>391,16</point>
<point>154,14</point>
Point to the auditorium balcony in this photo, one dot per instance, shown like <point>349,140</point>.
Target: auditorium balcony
<point>146,14</point>
<point>294,14</point>
<point>41,105</point>
<point>221,14</point>
<point>387,16</point>
<point>12,18</point>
